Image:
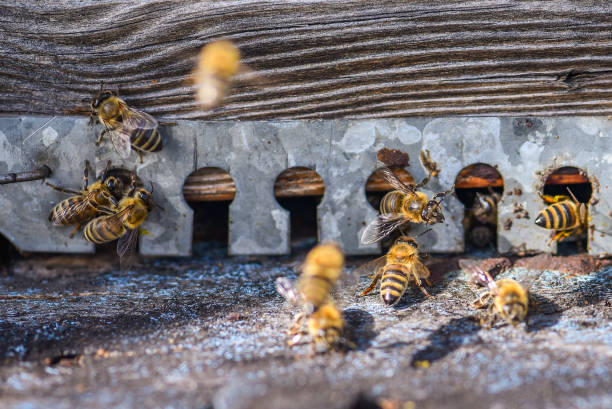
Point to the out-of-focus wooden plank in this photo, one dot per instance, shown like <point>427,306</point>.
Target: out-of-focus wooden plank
<point>315,59</point>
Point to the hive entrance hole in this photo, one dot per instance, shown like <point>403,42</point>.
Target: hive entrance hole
<point>557,183</point>
<point>299,190</point>
<point>8,254</point>
<point>377,187</point>
<point>479,187</point>
<point>209,192</point>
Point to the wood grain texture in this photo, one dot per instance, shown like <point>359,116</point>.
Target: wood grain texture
<point>315,59</point>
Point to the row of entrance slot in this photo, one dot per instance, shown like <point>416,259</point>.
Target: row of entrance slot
<point>210,191</point>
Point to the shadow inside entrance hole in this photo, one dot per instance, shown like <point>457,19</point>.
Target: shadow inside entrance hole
<point>446,339</point>
<point>360,326</point>
<point>545,314</point>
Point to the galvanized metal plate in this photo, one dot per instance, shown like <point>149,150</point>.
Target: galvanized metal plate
<point>343,152</point>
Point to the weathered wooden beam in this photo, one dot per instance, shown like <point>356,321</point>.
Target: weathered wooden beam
<point>314,59</point>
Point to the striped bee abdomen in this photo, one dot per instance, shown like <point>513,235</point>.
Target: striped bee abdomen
<point>70,211</point>
<point>393,284</point>
<point>558,216</point>
<point>392,202</point>
<point>103,229</point>
<point>148,140</point>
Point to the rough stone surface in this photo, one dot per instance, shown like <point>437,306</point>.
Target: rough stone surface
<point>207,332</point>
<point>343,152</point>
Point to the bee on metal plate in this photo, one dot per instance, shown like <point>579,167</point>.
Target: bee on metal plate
<point>93,200</point>
<point>123,224</point>
<point>402,205</point>
<point>509,298</point>
<point>320,319</point>
<point>396,270</point>
<point>128,128</point>
<point>565,214</point>
<point>218,63</point>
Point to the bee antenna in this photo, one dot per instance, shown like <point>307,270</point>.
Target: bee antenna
<point>572,195</point>
<point>426,231</point>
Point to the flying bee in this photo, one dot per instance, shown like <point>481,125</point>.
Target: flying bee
<point>509,298</point>
<point>123,224</point>
<point>396,270</point>
<point>93,200</point>
<point>320,318</point>
<point>218,63</point>
<point>565,214</point>
<point>402,205</point>
<point>128,128</point>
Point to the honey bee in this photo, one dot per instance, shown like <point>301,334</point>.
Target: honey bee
<point>396,270</point>
<point>218,63</point>
<point>509,298</point>
<point>320,319</point>
<point>91,201</point>
<point>128,128</point>
<point>482,218</point>
<point>123,224</point>
<point>403,205</point>
<point>565,214</point>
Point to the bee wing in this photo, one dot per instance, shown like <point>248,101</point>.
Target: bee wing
<point>126,248</point>
<point>121,141</point>
<point>477,274</point>
<point>382,227</point>
<point>286,287</point>
<point>394,181</point>
<point>370,267</point>
<point>136,119</point>
<point>419,269</point>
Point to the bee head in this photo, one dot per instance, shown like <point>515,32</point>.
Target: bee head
<point>102,96</point>
<point>145,196</point>
<point>432,213</point>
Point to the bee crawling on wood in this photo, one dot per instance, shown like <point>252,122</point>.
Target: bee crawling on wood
<point>402,205</point>
<point>397,269</point>
<point>508,299</point>
<point>128,128</point>
<point>93,200</point>
<point>123,224</point>
<point>565,214</point>
<point>320,319</point>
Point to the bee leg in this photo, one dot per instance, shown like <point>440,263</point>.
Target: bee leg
<point>422,182</point>
<point>372,285</point>
<point>424,291</point>
<point>139,156</point>
<point>99,141</point>
<point>74,230</point>
<point>61,189</point>
<point>560,236</point>
<point>427,282</point>
<point>548,199</point>
<point>85,176</point>
<point>297,325</point>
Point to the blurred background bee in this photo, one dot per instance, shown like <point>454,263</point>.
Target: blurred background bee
<point>480,222</point>
<point>402,205</point>
<point>567,215</point>
<point>397,269</point>
<point>127,127</point>
<point>320,319</point>
<point>508,299</point>
<point>123,224</point>
<point>219,65</point>
<point>93,200</point>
